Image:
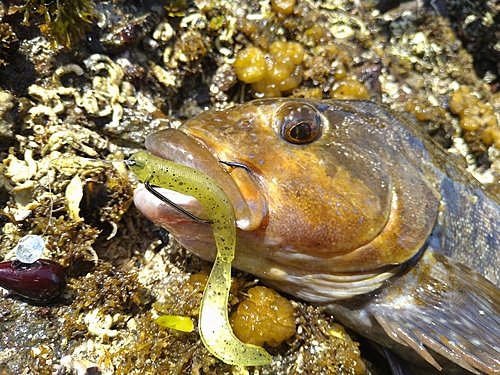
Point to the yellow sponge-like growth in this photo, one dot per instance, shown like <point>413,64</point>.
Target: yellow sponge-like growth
<point>250,65</point>
<point>266,317</point>
<point>272,73</point>
<point>476,116</point>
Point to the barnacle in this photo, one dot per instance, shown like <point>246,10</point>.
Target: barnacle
<point>105,96</point>
<point>191,45</point>
<point>176,8</point>
<point>102,97</point>
<point>76,138</point>
<point>99,324</point>
<point>6,121</point>
<point>50,100</point>
<point>65,20</point>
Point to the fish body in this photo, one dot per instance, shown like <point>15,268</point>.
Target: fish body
<point>348,206</point>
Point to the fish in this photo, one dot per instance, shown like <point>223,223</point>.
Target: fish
<point>349,206</point>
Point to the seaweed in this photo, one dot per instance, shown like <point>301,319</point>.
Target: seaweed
<point>7,36</point>
<point>66,21</point>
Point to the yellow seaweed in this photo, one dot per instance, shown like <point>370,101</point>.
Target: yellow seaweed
<point>215,330</point>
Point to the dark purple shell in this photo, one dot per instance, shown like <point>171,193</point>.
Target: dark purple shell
<point>42,280</point>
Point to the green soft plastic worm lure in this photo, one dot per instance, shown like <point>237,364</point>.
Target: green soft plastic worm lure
<point>215,330</point>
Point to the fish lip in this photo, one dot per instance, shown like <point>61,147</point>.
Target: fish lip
<point>158,211</point>
<point>184,148</point>
<point>243,176</point>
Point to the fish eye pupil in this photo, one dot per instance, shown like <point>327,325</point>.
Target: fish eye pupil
<point>301,131</point>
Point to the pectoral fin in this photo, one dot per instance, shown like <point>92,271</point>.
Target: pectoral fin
<point>398,367</point>
<point>445,307</point>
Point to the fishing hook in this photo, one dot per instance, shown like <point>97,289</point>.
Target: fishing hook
<point>164,199</point>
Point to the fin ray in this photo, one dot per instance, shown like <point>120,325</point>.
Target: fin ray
<point>455,312</point>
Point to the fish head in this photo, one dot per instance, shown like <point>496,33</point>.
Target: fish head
<point>320,193</point>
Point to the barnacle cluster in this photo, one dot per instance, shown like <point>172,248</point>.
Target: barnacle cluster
<point>183,48</point>
<point>424,109</point>
<point>65,20</point>
<point>330,348</point>
<point>116,310</point>
<point>6,105</point>
<point>49,99</point>
<point>103,97</point>
<point>329,68</point>
<point>107,94</point>
<point>39,188</point>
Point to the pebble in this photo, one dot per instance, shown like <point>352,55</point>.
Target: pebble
<point>30,248</point>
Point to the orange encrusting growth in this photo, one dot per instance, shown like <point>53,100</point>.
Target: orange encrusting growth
<point>476,116</point>
<point>266,317</point>
<point>272,73</point>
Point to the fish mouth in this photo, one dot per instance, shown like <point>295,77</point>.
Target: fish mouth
<point>249,204</point>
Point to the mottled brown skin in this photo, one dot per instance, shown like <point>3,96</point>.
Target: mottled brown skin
<point>366,217</point>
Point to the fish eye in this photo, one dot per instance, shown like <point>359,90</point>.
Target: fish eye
<point>298,123</point>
